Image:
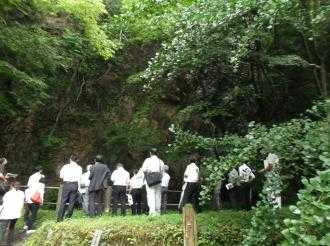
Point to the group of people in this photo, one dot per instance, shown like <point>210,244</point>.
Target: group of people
<point>12,202</point>
<point>148,185</point>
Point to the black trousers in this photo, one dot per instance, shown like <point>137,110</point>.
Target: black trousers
<point>30,214</point>
<point>11,232</point>
<point>69,195</point>
<point>190,195</point>
<point>119,199</point>
<point>164,200</point>
<point>137,201</point>
<point>241,197</point>
<point>145,208</point>
<point>96,202</point>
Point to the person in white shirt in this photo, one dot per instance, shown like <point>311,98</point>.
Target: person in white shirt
<point>36,190</point>
<point>154,192</point>
<point>165,182</point>
<point>190,188</point>
<point>83,188</point>
<point>3,179</point>
<point>136,184</point>
<point>120,179</point>
<point>34,178</point>
<point>11,210</point>
<point>70,174</point>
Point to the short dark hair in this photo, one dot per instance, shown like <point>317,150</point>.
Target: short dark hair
<point>99,158</point>
<point>153,151</point>
<point>3,161</point>
<point>38,168</point>
<point>192,159</point>
<point>15,184</point>
<point>74,157</point>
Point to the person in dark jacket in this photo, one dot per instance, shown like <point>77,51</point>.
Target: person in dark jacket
<point>99,176</point>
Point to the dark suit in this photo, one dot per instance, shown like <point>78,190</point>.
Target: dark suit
<point>99,176</point>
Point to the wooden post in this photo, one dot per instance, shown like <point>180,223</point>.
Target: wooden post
<point>107,199</point>
<point>189,226</point>
<point>97,238</point>
<point>59,198</point>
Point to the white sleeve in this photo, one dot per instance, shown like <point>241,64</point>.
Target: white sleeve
<point>162,169</point>
<point>145,165</point>
<point>62,172</point>
<point>29,181</point>
<point>127,180</point>
<point>113,176</point>
<point>186,172</point>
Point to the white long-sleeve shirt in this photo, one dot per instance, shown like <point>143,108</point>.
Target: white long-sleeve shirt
<point>35,187</point>
<point>137,181</point>
<point>153,164</point>
<point>34,178</point>
<point>191,174</point>
<point>13,203</point>
<point>71,172</point>
<point>120,177</point>
<point>165,180</point>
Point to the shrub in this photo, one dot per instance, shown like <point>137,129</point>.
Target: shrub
<point>214,228</point>
<point>312,223</point>
<point>298,143</point>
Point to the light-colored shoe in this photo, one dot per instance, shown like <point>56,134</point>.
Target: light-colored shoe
<point>25,227</point>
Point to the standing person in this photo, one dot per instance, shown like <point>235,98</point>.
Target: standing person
<point>83,189</point>
<point>136,184</point>
<point>34,178</point>
<point>3,163</point>
<point>165,181</point>
<point>120,178</point>
<point>34,197</point>
<point>70,174</point>
<point>99,175</point>
<point>13,203</point>
<point>145,208</point>
<point>190,188</point>
<point>153,169</point>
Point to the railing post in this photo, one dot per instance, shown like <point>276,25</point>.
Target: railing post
<point>107,199</point>
<point>59,198</point>
<point>189,226</point>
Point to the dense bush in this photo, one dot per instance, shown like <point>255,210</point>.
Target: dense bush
<point>265,221</point>
<point>223,228</point>
<point>311,224</point>
<point>298,142</point>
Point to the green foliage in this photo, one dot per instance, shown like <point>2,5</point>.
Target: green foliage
<point>265,221</point>
<point>87,13</point>
<point>311,224</point>
<point>224,228</point>
<point>134,137</point>
<point>310,220</point>
<point>145,21</point>
<point>212,30</point>
<point>294,141</point>
<point>27,47</point>
<point>25,92</point>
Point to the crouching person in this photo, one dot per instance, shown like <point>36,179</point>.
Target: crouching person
<point>13,203</point>
<point>34,197</point>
